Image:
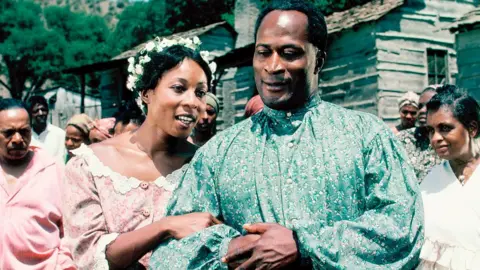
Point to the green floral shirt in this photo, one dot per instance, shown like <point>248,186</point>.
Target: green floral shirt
<point>339,178</point>
<point>421,155</point>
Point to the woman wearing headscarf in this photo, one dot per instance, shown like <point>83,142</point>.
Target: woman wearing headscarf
<point>408,108</point>
<point>450,192</point>
<point>206,127</point>
<point>77,133</point>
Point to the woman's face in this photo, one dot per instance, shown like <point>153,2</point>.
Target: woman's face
<point>207,120</point>
<point>178,100</point>
<point>449,137</point>
<point>73,138</point>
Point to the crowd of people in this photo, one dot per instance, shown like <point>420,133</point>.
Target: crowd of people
<point>299,184</point>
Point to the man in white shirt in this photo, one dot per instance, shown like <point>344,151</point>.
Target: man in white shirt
<point>52,138</point>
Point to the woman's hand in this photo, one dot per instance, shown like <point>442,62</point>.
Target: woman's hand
<point>181,226</point>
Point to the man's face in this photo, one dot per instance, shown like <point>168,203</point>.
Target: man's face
<point>285,61</point>
<point>39,115</point>
<point>15,134</point>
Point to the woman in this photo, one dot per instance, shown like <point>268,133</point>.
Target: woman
<point>408,108</point>
<point>450,192</point>
<point>102,129</point>
<point>117,189</point>
<point>206,127</point>
<point>77,133</point>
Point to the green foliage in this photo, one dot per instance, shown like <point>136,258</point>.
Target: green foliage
<point>35,48</point>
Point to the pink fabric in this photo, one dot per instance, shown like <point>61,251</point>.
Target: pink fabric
<point>100,204</point>
<point>254,105</point>
<point>31,220</point>
<point>105,125</point>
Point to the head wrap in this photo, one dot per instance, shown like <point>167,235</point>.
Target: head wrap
<point>105,125</point>
<point>410,98</point>
<point>213,101</point>
<point>82,122</point>
<point>254,105</point>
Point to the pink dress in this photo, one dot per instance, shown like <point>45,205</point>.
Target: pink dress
<point>100,204</point>
<point>31,220</point>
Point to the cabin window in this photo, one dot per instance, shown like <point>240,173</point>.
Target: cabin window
<point>437,66</point>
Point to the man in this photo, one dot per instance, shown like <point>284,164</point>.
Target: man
<point>206,126</point>
<point>421,155</point>
<point>303,183</point>
<point>30,217</point>
<point>52,138</point>
<point>408,108</point>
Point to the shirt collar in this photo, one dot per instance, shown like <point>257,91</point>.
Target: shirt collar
<point>312,102</point>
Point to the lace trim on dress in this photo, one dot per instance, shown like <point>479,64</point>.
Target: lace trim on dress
<point>436,255</point>
<point>101,262</point>
<point>121,183</point>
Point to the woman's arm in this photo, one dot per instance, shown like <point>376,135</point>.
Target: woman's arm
<point>130,247</point>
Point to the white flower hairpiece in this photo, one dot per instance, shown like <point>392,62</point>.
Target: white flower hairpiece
<point>136,70</point>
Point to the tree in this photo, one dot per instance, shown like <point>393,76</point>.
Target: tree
<point>145,20</point>
<point>138,23</point>
<point>25,46</point>
<point>34,48</point>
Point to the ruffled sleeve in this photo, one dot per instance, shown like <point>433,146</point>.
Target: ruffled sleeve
<point>86,233</point>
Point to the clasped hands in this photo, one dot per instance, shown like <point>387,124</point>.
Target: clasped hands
<point>266,246</point>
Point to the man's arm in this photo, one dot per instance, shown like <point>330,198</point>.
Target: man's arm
<point>196,192</point>
<point>390,232</point>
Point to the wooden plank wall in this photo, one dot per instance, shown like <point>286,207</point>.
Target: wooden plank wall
<point>402,40</point>
<point>349,77</point>
<point>218,41</point>
<point>468,60</point>
<point>234,89</point>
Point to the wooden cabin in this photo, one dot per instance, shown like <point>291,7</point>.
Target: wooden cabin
<point>376,52</point>
<point>467,45</point>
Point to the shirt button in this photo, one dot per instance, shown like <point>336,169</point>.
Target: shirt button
<point>145,213</point>
<point>144,185</point>
<point>289,114</point>
<point>289,181</point>
<point>290,145</point>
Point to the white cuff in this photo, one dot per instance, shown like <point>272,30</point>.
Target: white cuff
<point>100,259</point>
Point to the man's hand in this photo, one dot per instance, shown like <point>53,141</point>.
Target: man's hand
<point>275,249</point>
<point>237,244</point>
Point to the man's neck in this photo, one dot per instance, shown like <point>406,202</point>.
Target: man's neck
<point>39,128</point>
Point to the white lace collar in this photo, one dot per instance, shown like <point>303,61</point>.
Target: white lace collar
<point>121,183</point>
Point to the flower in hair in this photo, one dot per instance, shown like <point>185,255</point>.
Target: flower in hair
<point>136,64</point>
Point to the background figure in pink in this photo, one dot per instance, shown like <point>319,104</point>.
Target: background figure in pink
<point>30,187</point>
<point>102,129</point>
<point>254,105</point>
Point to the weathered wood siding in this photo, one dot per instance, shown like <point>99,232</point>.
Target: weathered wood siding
<point>402,39</point>
<point>234,89</point>
<point>218,41</point>
<point>349,77</point>
<point>468,60</point>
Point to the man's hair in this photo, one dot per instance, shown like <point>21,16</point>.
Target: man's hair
<point>463,106</point>
<point>317,26</point>
<point>11,103</point>
<point>34,100</point>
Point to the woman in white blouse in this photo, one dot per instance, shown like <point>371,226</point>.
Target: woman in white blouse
<point>451,191</point>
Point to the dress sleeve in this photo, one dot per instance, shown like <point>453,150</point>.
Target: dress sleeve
<point>389,234</point>
<point>196,192</point>
<point>86,234</point>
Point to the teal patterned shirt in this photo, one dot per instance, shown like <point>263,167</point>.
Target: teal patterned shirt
<point>338,178</point>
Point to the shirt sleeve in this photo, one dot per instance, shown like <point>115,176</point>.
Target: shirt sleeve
<point>389,234</point>
<point>86,234</point>
<point>196,192</point>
